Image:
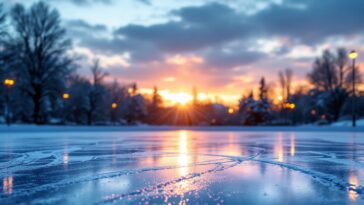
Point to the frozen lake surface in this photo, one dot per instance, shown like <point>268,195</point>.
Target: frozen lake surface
<point>182,167</point>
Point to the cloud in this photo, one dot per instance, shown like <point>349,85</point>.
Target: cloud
<point>198,28</point>
<point>87,2</point>
<point>312,21</point>
<point>83,25</point>
<point>107,2</point>
<point>227,39</point>
<point>220,59</point>
<point>146,2</point>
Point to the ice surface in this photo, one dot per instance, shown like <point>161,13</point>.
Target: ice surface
<point>181,167</point>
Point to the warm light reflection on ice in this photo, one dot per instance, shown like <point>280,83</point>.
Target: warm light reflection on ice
<point>354,182</point>
<point>292,144</point>
<point>183,156</point>
<point>186,167</point>
<point>8,185</point>
<point>65,159</point>
<point>279,147</point>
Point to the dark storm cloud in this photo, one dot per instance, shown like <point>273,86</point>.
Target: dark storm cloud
<point>198,28</point>
<point>220,59</point>
<point>215,23</point>
<point>205,30</point>
<point>312,21</point>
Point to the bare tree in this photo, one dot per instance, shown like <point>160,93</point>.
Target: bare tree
<point>95,93</point>
<point>3,32</point>
<point>324,73</point>
<point>156,98</point>
<point>282,81</point>
<point>263,89</point>
<point>341,63</point>
<point>38,47</point>
<point>98,74</point>
<point>285,80</point>
<point>289,75</point>
<point>2,21</point>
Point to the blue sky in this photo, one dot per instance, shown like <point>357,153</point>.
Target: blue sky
<point>221,47</point>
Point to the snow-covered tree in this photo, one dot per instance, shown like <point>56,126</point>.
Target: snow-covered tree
<point>134,106</point>
<point>156,111</point>
<point>332,77</point>
<point>256,111</point>
<point>156,99</point>
<point>115,94</point>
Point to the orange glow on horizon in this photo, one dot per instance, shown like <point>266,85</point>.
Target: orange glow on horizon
<point>178,98</point>
<point>183,60</point>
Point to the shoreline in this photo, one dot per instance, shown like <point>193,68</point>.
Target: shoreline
<point>49,128</point>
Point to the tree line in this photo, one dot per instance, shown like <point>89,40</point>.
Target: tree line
<point>35,53</point>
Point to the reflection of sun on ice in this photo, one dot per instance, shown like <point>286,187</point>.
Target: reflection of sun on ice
<point>185,185</point>
<point>183,157</point>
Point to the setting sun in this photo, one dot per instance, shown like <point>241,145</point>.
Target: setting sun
<point>181,98</point>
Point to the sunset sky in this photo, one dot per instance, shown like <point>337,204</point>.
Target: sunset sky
<point>221,47</point>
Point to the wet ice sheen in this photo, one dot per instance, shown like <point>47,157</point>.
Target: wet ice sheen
<point>182,167</point>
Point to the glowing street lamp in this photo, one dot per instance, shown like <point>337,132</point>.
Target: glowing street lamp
<point>66,96</point>
<point>114,106</point>
<point>8,84</point>
<point>231,111</point>
<point>353,55</point>
<point>290,106</point>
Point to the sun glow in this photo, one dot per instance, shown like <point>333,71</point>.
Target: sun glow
<point>178,98</point>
